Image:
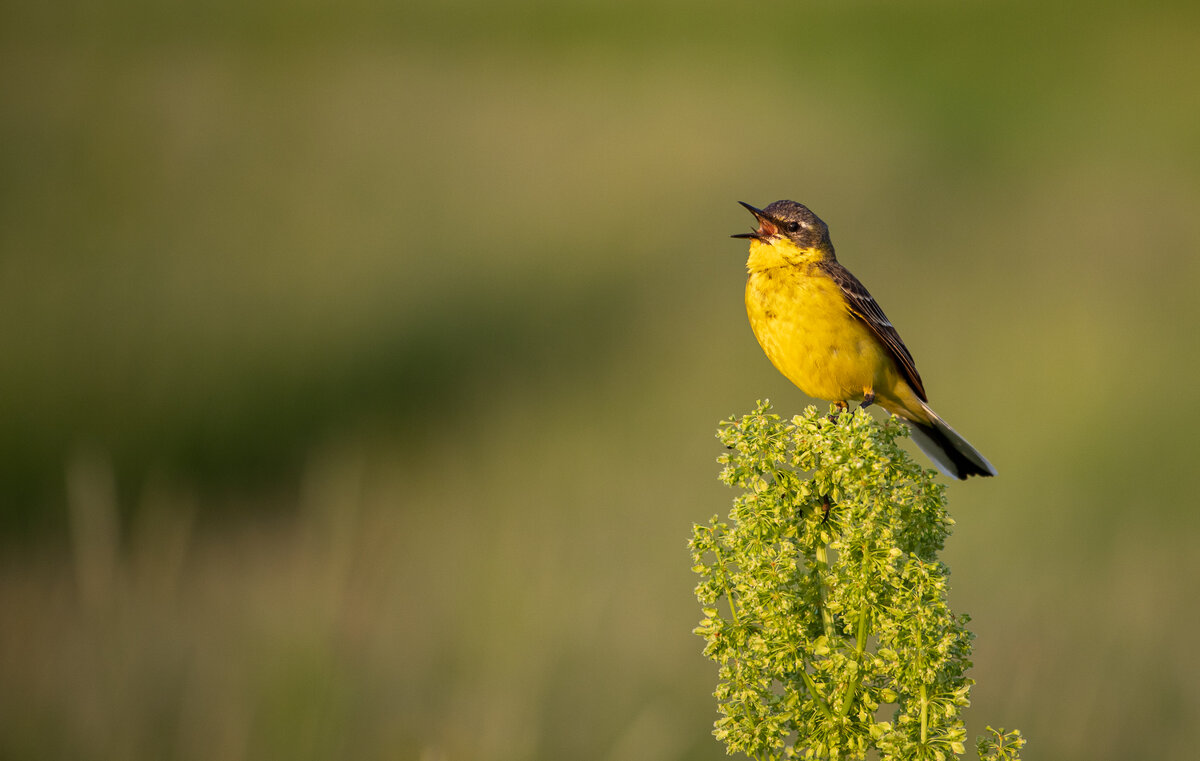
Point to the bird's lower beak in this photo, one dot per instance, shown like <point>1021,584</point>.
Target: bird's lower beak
<point>766,226</point>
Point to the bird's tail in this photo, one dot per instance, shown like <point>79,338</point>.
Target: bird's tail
<point>950,452</point>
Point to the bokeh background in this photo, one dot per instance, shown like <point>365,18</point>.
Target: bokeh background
<point>360,362</point>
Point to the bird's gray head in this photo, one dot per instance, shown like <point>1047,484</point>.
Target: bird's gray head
<point>790,220</point>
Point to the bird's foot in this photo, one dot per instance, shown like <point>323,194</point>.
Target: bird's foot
<point>841,407</point>
<point>868,400</point>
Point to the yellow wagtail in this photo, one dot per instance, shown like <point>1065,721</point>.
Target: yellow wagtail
<point>821,328</point>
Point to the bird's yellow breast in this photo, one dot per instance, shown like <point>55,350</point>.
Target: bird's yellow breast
<point>800,318</point>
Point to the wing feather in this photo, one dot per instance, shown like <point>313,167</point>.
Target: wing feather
<point>863,305</point>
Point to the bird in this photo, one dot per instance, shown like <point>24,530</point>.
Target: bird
<point>824,331</point>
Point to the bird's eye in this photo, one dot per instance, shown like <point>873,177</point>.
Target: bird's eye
<point>792,227</point>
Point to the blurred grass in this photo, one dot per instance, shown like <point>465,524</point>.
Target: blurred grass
<point>361,363</point>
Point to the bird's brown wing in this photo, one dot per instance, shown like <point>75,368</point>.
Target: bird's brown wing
<point>863,305</point>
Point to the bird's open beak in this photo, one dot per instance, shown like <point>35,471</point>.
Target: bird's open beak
<point>766,226</point>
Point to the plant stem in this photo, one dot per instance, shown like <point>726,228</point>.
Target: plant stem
<point>924,717</point>
<point>725,581</point>
<point>812,692</point>
<point>860,646</point>
<point>826,616</point>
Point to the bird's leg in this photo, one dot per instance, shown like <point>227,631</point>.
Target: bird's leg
<point>868,400</point>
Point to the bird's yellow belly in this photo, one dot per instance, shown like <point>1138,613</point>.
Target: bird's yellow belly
<point>811,337</point>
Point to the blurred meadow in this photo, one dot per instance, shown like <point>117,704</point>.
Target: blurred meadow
<point>360,363</point>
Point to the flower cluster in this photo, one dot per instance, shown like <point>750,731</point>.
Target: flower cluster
<point>824,602</point>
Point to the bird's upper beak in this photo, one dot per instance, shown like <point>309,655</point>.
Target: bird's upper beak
<point>766,226</point>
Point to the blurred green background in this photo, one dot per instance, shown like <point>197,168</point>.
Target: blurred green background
<point>360,363</point>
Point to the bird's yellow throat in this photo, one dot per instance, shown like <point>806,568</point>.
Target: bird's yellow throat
<point>780,253</point>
